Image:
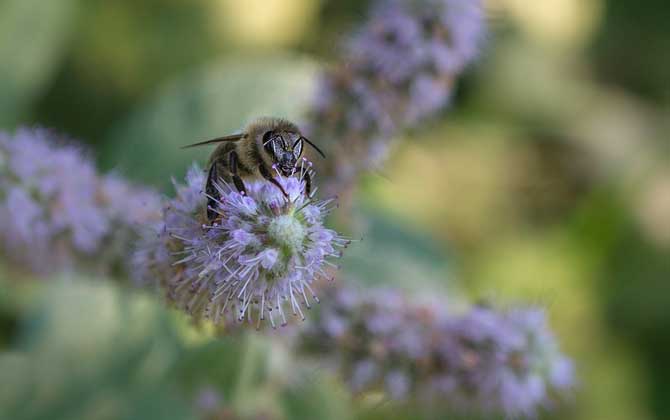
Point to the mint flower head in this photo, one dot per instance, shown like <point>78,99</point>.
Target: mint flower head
<point>400,69</point>
<point>505,362</point>
<point>57,213</point>
<point>484,361</point>
<point>256,261</point>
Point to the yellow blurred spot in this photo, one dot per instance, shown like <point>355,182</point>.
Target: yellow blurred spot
<point>560,22</point>
<point>264,22</point>
<point>653,209</point>
<point>460,189</point>
<point>191,332</point>
<point>618,131</point>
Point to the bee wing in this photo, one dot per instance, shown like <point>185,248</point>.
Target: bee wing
<point>232,137</point>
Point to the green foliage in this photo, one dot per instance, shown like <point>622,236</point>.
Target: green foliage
<point>393,254</point>
<point>33,36</point>
<point>91,352</point>
<point>621,59</point>
<point>122,51</point>
<point>316,396</point>
<point>86,349</point>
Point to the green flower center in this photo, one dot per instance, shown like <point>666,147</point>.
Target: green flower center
<point>288,232</point>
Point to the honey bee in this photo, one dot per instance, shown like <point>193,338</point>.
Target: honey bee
<point>264,145</point>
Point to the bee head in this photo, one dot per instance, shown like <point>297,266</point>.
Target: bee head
<point>285,148</point>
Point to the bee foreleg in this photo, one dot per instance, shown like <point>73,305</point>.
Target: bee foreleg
<point>239,184</point>
<point>268,176</point>
<point>212,192</point>
<point>308,183</point>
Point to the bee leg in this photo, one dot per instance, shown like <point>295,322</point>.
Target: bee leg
<point>213,196</point>
<point>308,184</point>
<point>239,184</point>
<point>268,176</point>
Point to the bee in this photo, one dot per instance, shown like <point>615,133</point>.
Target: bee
<point>264,145</point>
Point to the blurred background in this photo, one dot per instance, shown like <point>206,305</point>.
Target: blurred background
<point>547,181</point>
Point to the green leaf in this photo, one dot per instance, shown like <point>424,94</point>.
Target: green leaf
<point>89,351</point>
<point>33,37</point>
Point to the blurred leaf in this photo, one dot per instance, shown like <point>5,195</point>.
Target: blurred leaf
<point>33,35</point>
<point>215,101</point>
<point>119,57</point>
<point>631,48</point>
<point>536,86</point>
<point>425,410</point>
<point>462,190</point>
<point>316,398</point>
<point>216,364</point>
<point>91,352</point>
<point>392,253</point>
<point>7,311</point>
<point>255,376</point>
<point>635,284</point>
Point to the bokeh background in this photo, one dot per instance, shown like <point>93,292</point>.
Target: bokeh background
<point>546,181</point>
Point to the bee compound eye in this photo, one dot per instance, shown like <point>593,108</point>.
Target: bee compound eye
<point>276,147</point>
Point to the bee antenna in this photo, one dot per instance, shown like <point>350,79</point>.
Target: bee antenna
<point>232,137</point>
<point>313,145</point>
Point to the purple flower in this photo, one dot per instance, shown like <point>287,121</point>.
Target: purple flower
<point>400,69</point>
<point>56,212</point>
<point>128,204</point>
<point>427,95</point>
<point>257,260</point>
<point>484,361</point>
<point>504,361</point>
<point>390,44</point>
<point>404,38</point>
<point>363,374</point>
<point>208,400</point>
<point>397,384</point>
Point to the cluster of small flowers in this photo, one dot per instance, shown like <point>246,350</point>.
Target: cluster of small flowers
<point>400,69</point>
<point>263,251</point>
<point>484,361</point>
<point>57,213</point>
